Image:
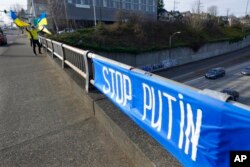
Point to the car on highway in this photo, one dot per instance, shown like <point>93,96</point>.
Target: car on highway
<point>215,73</point>
<point>234,95</point>
<point>246,71</point>
<point>3,39</point>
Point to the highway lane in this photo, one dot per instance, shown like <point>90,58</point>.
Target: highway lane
<point>192,74</point>
<point>193,70</point>
<point>233,79</point>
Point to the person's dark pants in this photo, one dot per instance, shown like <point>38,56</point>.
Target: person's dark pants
<point>31,41</point>
<point>36,42</point>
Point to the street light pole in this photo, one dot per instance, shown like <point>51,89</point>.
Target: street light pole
<point>170,42</point>
<point>94,12</point>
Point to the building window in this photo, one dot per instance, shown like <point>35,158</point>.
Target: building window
<point>70,1</point>
<point>128,4</point>
<point>150,2</point>
<point>98,3</point>
<point>143,5</point>
<point>104,3</point>
<point>82,3</point>
<point>109,3</point>
<point>136,4</point>
<point>114,4</point>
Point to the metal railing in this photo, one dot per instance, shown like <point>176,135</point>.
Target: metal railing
<point>81,62</point>
<point>75,58</point>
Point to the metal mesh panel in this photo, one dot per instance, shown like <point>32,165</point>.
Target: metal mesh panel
<point>75,58</point>
<point>58,49</point>
<point>49,44</point>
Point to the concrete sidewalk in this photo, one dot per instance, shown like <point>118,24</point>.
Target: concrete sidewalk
<point>43,122</point>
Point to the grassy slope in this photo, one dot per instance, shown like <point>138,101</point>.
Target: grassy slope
<point>143,37</point>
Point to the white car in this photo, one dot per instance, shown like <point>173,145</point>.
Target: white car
<point>66,30</point>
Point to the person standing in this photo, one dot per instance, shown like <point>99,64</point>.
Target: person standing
<point>34,34</point>
<point>30,37</point>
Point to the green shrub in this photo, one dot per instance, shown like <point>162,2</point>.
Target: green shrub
<point>141,36</point>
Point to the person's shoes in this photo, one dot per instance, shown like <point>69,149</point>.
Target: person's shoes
<point>35,54</point>
<point>40,53</point>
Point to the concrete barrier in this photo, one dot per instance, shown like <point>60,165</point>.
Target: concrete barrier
<point>152,61</point>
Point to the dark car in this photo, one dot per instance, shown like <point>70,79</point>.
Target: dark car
<point>3,39</point>
<point>246,71</point>
<point>234,95</point>
<point>215,73</point>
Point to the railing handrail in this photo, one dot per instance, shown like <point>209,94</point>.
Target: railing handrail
<point>57,43</point>
<point>48,39</point>
<point>74,49</point>
<point>90,55</point>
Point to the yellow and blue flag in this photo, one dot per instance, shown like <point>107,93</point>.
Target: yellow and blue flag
<point>44,29</point>
<point>42,20</point>
<point>17,21</point>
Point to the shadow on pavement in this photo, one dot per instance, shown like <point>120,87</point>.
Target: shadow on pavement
<point>15,44</point>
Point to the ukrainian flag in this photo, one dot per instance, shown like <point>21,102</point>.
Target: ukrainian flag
<point>17,21</point>
<point>44,29</point>
<point>42,20</point>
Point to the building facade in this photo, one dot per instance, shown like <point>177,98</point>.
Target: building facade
<point>36,7</point>
<point>87,11</point>
<point>106,10</point>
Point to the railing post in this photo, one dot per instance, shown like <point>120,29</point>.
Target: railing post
<point>43,42</point>
<point>63,57</point>
<point>89,71</point>
<point>46,46</point>
<point>52,45</point>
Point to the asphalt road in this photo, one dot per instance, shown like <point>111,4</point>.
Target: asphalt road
<point>193,73</point>
<point>233,79</point>
<point>193,70</point>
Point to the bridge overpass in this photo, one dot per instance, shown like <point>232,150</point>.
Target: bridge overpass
<point>43,122</point>
<point>48,118</point>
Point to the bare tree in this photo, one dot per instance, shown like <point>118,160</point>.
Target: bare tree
<point>197,6</point>
<point>212,10</point>
<point>58,14</point>
<point>195,24</point>
<point>18,9</point>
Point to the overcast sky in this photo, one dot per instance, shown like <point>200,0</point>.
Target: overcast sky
<point>236,7</point>
<point>6,4</point>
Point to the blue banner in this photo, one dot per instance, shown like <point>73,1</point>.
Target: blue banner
<point>197,129</point>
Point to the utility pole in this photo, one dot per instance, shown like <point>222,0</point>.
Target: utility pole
<point>94,5</point>
<point>247,7</point>
<point>228,12</point>
<point>199,6</point>
<point>175,4</point>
